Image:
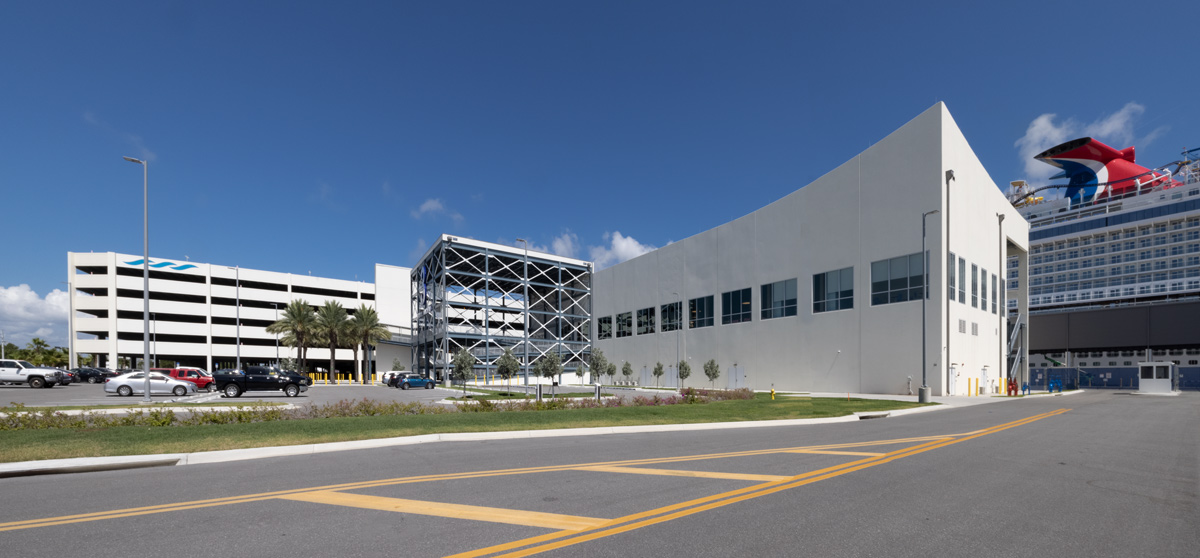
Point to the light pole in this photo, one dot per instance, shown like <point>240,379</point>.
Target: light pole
<point>525,301</point>
<point>1002,308</point>
<point>678,336</point>
<point>2,344</point>
<point>946,235</point>
<point>145,274</point>
<point>923,393</point>
<point>154,359</point>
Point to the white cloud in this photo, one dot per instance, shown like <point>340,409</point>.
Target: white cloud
<point>1116,129</point>
<point>565,245</point>
<point>433,207</point>
<point>620,248</point>
<point>25,315</point>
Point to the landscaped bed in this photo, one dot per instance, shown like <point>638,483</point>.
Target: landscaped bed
<point>346,421</point>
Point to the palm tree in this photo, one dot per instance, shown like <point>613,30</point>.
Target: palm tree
<point>332,325</point>
<point>367,329</point>
<point>298,326</point>
<point>38,347</point>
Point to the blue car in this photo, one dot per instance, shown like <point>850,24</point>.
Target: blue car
<point>405,381</point>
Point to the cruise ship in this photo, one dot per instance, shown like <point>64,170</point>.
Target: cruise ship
<point>1114,266</point>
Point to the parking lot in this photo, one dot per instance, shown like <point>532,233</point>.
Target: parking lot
<point>93,394</point>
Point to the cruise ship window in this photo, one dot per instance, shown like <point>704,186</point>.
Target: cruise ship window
<point>1193,235</point>
<point>1193,248</point>
<point>1160,228</point>
<point>1160,252</point>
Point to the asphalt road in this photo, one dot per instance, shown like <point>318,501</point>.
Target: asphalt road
<point>1096,474</point>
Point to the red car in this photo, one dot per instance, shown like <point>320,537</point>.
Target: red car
<point>194,375</point>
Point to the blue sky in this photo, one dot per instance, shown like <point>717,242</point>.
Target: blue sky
<point>320,137</point>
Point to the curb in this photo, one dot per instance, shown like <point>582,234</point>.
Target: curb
<point>90,464</point>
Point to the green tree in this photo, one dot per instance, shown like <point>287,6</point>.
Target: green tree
<point>598,364</point>
<point>367,330</point>
<point>612,373</point>
<point>549,366</point>
<point>712,370</point>
<point>37,351</point>
<point>396,366</point>
<point>463,367</point>
<point>298,326</point>
<point>580,371</point>
<point>332,326</point>
<point>657,372</point>
<point>627,370</point>
<point>685,370</point>
<point>507,366</point>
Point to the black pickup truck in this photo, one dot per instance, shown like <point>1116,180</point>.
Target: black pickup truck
<point>233,383</point>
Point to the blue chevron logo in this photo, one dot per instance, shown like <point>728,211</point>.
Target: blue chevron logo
<point>160,265</point>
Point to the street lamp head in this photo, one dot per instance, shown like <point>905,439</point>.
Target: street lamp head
<point>927,213</point>
<point>132,160</point>
<point>1000,216</point>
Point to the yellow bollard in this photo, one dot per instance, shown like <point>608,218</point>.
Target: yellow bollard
<point>772,393</point>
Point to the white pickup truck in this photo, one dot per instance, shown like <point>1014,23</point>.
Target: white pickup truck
<point>22,372</point>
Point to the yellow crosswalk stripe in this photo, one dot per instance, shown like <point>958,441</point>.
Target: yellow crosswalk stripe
<point>828,452</point>
<point>681,473</point>
<point>456,511</point>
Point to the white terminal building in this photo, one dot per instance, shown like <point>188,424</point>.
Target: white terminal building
<point>200,312</point>
<point>821,291</point>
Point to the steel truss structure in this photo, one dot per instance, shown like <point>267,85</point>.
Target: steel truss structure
<point>487,297</point>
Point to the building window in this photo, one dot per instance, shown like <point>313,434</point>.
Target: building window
<point>974,328</point>
<point>672,316</point>
<point>983,297</point>
<point>624,324</point>
<point>974,286</point>
<point>950,276</point>
<point>605,328</point>
<point>994,293</point>
<point>898,279</point>
<point>833,290</point>
<point>779,299</point>
<point>645,321</point>
<point>700,312</point>
<point>735,307</point>
<point>962,283</point>
<point>962,326</point>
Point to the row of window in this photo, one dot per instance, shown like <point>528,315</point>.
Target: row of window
<point>1118,219</point>
<point>898,279</point>
<point>1145,230</point>
<point>956,284</point>
<point>1115,247</point>
<point>1116,293</point>
<point>1076,285</point>
<point>1179,250</point>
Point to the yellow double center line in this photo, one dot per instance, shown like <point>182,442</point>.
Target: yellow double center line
<point>543,543</point>
<point>607,528</point>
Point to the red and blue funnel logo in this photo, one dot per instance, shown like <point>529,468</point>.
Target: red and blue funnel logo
<point>1095,170</point>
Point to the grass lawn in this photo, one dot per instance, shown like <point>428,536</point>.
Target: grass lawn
<point>25,445</point>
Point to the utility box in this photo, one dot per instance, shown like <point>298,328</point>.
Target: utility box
<point>1158,378</point>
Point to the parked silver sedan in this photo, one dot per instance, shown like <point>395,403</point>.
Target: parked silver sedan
<point>135,382</point>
